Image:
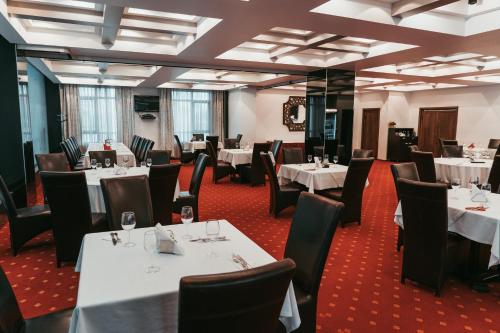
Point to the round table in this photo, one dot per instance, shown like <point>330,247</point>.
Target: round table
<point>448,169</point>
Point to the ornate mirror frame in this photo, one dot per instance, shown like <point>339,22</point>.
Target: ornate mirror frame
<point>287,117</point>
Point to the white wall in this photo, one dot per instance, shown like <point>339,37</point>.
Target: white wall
<point>241,113</point>
<point>148,128</point>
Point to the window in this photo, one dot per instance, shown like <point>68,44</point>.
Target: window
<point>192,113</point>
<point>97,114</point>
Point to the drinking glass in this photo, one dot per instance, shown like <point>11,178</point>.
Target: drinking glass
<point>93,164</point>
<point>143,164</point>
<point>187,218</point>
<point>455,185</point>
<point>149,162</point>
<point>212,229</point>
<point>98,166</point>
<point>326,158</point>
<point>151,247</point>
<point>309,158</point>
<point>335,159</point>
<point>474,181</point>
<point>237,145</point>
<point>107,162</point>
<point>486,188</point>
<point>128,224</point>
<point>125,160</point>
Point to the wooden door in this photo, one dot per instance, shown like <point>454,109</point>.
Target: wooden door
<point>435,124</point>
<point>370,129</point>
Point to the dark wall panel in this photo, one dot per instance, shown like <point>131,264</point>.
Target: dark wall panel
<point>53,115</point>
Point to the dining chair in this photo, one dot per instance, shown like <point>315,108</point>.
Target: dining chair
<point>221,169</point>
<point>312,228</point>
<point>72,218</point>
<point>74,148</point>
<point>425,165</point>
<point>403,171</point>
<point>146,146</point>
<point>162,184</point>
<point>452,151</point>
<point>159,157</point>
<point>319,151</point>
<point>247,301</point>
<point>494,176</point>
<point>428,247</point>
<point>127,194</point>
<point>494,144</point>
<point>362,153</point>
<point>74,163</point>
<point>199,136</point>
<point>101,155</point>
<point>352,192</point>
<point>191,197</point>
<point>275,148</point>
<point>214,140</point>
<point>137,148</point>
<point>186,156</point>
<point>230,143</point>
<point>24,223</point>
<point>12,320</point>
<point>281,196</point>
<point>255,173</point>
<point>52,162</point>
<point>77,145</point>
<point>293,156</point>
<point>238,137</point>
<point>133,143</point>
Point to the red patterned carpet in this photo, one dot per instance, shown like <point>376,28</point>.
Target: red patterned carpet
<point>360,290</point>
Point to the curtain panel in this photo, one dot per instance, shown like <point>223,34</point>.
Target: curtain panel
<point>70,111</point>
<point>125,114</point>
<point>218,104</point>
<point>166,121</point>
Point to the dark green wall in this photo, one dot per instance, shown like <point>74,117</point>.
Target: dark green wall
<point>53,115</point>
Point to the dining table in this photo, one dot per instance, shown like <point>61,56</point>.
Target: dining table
<point>314,178</point>
<point>464,169</point>
<point>199,145</point>
<point>124,156</point>
<point>481,226</point>
<point>116,294</point>
<point>94,185</point>
<point>236,157</point>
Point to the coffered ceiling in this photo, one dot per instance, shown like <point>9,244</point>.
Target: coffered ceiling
<point>402,45</point>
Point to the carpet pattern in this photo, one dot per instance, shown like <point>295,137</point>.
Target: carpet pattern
<point>360,290</point>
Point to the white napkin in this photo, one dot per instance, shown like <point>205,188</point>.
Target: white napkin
<point>317,161</point>
<point>477,195</point>
<point>166,243</point>
<point>272,157</point>
<point>118,170</point>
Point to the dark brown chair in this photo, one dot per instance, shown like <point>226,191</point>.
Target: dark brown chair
<point>238,137</point>
<point>425,165</point>
<point>275,148</point>
<point>74,162</point>
<point>494,177</point>
<point>199,136</point>
<point>24,223</point>
<point>494,144</point>
<point>231,143</point>
<point>71,215</point>
<point>146,146</point>
<point>133,143</point>
<point>446,142</point>
<point>319,151</point>
<point>137,148</point>
<point>362,153</point>
<point>428,247</point>
<point>52,162</point>
<point>127,194</point>
<point>453,151</point>
<point>281,196</point>
<point>101,155</point>
<point>255,173</point>
<point>159,157</point>
<point>352,193</point>
<point>308,244</point>
<point>12,321</point>
<point>186,155</point>
<point>403,171</point>
<point>293,156</point>
<point>214,140</point>
<point>162,183</point>
<point>248,301</point>
<point>221,169</point>
<point>191,197</point>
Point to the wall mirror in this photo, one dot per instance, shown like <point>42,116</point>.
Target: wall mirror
<point>294,113</point>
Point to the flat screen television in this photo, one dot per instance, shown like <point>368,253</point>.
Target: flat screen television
<point>146,103</point>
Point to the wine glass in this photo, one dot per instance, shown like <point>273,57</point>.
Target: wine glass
<point>473,181</point>
<point>143,164</point>
<point>486,188</point>
<point>149,162</point>
<point>107,162</point>
<point>335,159</point>
<point>128,224</point>
<point>187,218</point>
<point>125,160</point>
<point>212,229</point>
<point>309,158</point>
<point>93,164</point>
<point>151,247</point>
<point>326,158</point>
<point>98,165</point>
<point>455,185</point>
<point>237,145</point>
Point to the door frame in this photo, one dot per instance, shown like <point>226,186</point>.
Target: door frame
<point>363,132</point>
<point>453,109</point>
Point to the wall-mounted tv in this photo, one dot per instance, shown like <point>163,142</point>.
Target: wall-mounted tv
<point>146,103</point>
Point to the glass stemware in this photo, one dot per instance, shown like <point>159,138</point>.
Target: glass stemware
<point>93,164</point>
<point>98,166</point>
<point>473,181</point>
<point>149,162</point>
<point>326,159</point>
<point>212,229</point>
<point>309,158</point>
<point>187,218</point>
<point>335,159</point>
<point>125,160</point>
<point>128,224</point>
<point>486,188</point>
<point>107,162</point>
<point>455,185</point>
<point>143,164</point>
<point>151,247</point>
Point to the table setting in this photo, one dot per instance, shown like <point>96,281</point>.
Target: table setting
<point>124,155</point>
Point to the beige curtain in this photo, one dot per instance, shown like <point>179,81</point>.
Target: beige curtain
<point>166,121</point>
<point>70,112</point>
<point>218,114</point>
<point>125,114</point>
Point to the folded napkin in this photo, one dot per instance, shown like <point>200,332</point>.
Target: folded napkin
<point>118,170</point>
<point>317,162</point>
<point>477,195</point>
<point>477,209</point>
<point>166,241</point>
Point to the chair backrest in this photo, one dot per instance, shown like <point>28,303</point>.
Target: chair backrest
<point>271,171</point>
<point>74,148</point>
<point>355,180</point>
<point>199,136</point>
<point>238,137</point>
<point>404,171</point>
<point>257,149</point>
<point>425,165</point>
<point>362,153</point>
<point>133,143</point>
<point>8,201</point>
<point>138,146</point>
<point>453,151</point>
<point>312,228</point>
<point>212,154</point>
<point>494,143</point>
<point>425,221</point>
<point>293,156</point>
<point>101,155</point>
<point>148,147</point>
<point>11,319</point>
<point>76,144</point>
<point>494,177</point>
<point>52,162</point>
<point>71,216</point>
<point>178,141</point>
<point>198,171</point>
<point>275,148</point>
<point>448,142</point>
<point>214,139</point>
<point>230,143</point>
<point>319,151</point>
<point>162,183</point>
<point>159,157</point>
<point>142,150</point>
<point>246,301</point>
<point>127,194</point>
<point>67,151</point>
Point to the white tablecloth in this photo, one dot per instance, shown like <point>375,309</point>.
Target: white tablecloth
<point>236,156</point>
<point>449,168</point>
<point>480,152</point>
<point>314,179</point>
<point>94,185</point>
<point>482,227</point>
<point>115,294</point>
<point>199,145</point>
<point>122,152</point>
